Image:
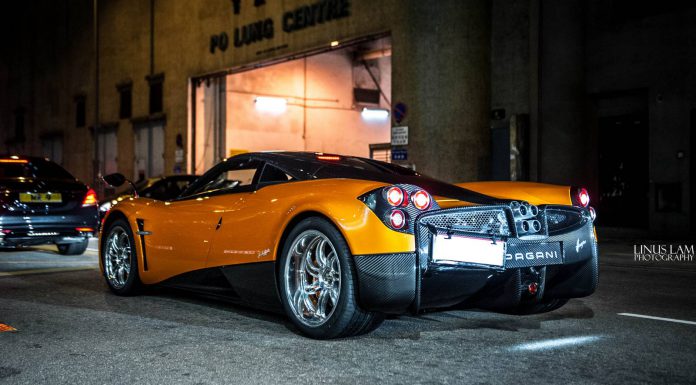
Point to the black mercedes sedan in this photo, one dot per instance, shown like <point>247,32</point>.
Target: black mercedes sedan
<point>42,203</point>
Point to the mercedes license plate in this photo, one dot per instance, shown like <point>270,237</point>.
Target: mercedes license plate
<point>40,197</point>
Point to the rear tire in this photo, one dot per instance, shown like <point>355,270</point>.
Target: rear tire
<point>119,258</point>
<point>77,248</point>
<point>318,285</point>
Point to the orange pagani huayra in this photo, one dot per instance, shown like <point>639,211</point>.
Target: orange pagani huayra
<point>337,242</point>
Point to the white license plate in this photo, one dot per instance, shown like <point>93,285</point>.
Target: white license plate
<point>465,249</point>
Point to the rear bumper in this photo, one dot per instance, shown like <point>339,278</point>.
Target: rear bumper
<point>398,283</point>
<point>27,230</point>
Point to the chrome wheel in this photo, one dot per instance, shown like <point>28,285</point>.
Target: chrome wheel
<point>117,257</point>
<point>312,274</point>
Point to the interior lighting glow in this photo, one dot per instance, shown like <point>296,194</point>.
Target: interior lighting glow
<point>271,104</point>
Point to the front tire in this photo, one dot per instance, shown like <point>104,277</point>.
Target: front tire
<point>318,285</point>
<point>76,248</point>
<point>119,259</point>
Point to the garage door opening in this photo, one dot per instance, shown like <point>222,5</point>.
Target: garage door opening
<point>338,101</point>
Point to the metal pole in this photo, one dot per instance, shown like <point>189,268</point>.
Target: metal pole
<point>97,163</point>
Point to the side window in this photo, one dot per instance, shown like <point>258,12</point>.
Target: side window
<point>237,176</point>
<point>273,175</point>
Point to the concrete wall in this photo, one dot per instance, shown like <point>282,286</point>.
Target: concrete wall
<point>442,72</point>
<point>441,68</point>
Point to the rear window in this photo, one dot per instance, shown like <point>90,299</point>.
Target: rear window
<point>36,169</point>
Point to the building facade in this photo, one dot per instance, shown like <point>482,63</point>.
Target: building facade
<point>593,93</point>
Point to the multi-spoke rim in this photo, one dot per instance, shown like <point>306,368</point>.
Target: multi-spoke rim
<point>117,257</point>
<point>312,274</point>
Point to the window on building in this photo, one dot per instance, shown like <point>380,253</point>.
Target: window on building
<point>381,151</point>
<point>156,92</point>
<point>125,92</point>
<point>80,111</point>
<point>149,150</point>
<point>52,147</point>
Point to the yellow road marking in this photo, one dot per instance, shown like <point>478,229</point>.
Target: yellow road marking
<point>44,271</point>
<point>7,328</point>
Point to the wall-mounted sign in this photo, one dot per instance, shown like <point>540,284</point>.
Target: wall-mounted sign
<point>400,154</point>
<point>302,17</point>
<point>399,112</point>
<point>399,136</point>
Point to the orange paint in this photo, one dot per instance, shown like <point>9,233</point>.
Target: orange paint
<point>534,193</point>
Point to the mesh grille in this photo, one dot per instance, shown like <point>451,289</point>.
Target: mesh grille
<point>561,219</point>
<point>489,221</point>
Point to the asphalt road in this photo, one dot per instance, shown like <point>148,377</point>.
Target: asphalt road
<point>71,330</point>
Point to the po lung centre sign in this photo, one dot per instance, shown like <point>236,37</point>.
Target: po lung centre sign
<point>297,19</point>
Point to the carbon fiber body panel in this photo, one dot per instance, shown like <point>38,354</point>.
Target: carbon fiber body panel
<point>387,282</point>
<point>391,283</point>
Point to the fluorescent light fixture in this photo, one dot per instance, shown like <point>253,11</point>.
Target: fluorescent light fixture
<point>375,114</point>
<point>271,104</point>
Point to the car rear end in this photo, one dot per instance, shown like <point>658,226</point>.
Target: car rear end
<point>502,254</point>
<point>41,203</point>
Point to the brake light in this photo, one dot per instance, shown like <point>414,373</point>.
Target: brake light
<point>397,219</point>
<point>583,197</point>
<point>90,198</point>
<point>321,156</point>
<point>421,200</point>
<point>395,196</point>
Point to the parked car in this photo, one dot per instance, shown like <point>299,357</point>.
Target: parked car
<point>337,242</point>
<point>42,203</point>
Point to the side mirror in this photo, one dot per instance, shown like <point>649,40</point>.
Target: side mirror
<point>115,180</point>
<point>118,180</point>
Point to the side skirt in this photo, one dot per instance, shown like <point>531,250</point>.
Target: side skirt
<point>251,284</point>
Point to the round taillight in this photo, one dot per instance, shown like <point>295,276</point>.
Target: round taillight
<point>583,197</point>
<point>593,214</point>
<point>395,196</point>
<point>397,219</point>
<point>421,200</point>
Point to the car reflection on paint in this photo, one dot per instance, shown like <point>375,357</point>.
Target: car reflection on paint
<point>160,188</point>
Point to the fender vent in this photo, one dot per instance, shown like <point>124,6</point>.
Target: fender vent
<point>141,231</point>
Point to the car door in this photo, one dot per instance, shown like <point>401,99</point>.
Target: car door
<point>180,232</point>
<point>248,229</point>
